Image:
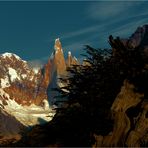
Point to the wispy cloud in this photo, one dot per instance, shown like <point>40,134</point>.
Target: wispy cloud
<point>81,31</point>
<point>75,46</point>
<point>102,11</point>
<point>116,18</point>
<point>106,10</point>
<point>129,28</point>
<point>122,26</point>
<point>38,63</point>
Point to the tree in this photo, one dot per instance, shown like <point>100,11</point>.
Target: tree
<point>90,90</point>
<point>93,87</point>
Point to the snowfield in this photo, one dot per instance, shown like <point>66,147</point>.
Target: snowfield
<point>27,115</point>
<point>13,74</point>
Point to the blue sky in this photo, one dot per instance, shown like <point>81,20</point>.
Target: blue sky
<point>29,29</point>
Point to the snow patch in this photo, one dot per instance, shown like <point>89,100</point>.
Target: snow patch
<point>13,74</point>
<point>58,39</point>
<point>27,115</point>
<point>56,47</point>
<point>5,82</point>
<point>69,53</point>
<point>31,78</point>
<point>24,76</point>
<point>56,51</point>
<point>75,58</point>
<point>36,70</point>
<point>9,55</point>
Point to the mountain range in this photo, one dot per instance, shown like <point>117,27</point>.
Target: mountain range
<point>26,98</point>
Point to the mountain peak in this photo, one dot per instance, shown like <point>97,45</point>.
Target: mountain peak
<point>57,44</point>
<point>59,59</point>
<point>11,55</point>
<point>7,54</point>
<point>71,60</point>
<point>69,53</point>
<point>139,37</point>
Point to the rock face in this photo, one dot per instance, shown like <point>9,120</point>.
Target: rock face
<point>140,37</point>
<point>59,61</point>
<point>130,108</point>
<point>71,60</point>
<point>24,91</point>
<point>126,132</point>
<point>10,128</point>
<point>58,70</point>
<point>18,79</point>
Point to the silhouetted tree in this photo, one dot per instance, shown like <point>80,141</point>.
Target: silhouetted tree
<point>90,91</point>
<point>94,85</point>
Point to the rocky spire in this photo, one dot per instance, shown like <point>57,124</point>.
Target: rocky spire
<point>69,60</point>
<point>57,45</point>
<point>59,60</point>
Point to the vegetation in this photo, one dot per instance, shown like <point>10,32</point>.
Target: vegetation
<point>90,89</point>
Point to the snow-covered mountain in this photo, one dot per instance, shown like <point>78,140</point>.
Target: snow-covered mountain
<point>24,91</point>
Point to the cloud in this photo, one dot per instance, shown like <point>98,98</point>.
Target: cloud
<point>116,18</point>
<point>75,47</point>
<point>110,24</point>
<point>129,28</point>
<point>80,32</point>
<point>105,10</point>
<point>38,63</point>
<point>124,26</point>
<point>129,23</point>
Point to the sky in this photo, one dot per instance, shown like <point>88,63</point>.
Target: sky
<point>29,28</point>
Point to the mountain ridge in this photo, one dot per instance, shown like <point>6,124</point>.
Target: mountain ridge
<point>23,89</point>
